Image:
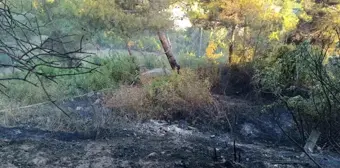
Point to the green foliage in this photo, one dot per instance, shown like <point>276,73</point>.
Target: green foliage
<point>308,87</point>
<point>190,60</point>
<point>113,72</point>
<point>122,69</point>
<point>277,70</point>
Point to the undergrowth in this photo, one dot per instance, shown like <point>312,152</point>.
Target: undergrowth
<point>178,96</point>
<point>114,71</point>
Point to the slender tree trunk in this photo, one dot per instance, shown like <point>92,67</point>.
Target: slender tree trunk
<point>257,41</point>
<point>128,47</point>
<point>244,52</point>
<point>200,45</point>
<point>231,45</point>
<point>167,49</point>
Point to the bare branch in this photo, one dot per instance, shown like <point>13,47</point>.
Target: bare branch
<point>29,57</point>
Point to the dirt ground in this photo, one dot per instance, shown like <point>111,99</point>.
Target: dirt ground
<point>151,144</point>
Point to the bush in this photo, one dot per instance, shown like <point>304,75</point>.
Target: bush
<point>190,60</point>
<point>169,97</point>
<point>113,72</point>
<point>307,87</point>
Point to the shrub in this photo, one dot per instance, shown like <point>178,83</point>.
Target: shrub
<point>113,72</point>
<point>168,97</point>
<point>306,87</point>
<point>189,60</point>
<point>121,69</point>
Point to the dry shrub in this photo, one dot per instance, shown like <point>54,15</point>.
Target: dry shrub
<point>126,96</point>
<point>166,97</point>
<point>212,73</point>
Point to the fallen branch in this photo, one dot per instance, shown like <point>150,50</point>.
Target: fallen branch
<point>299,146</point>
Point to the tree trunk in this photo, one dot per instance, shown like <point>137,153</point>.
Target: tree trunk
<point>231,45</point>
<point>167,49</point>
<point>200,45</point>
<point>128,47</point>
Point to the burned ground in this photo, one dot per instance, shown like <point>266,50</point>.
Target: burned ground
<point>259,144</point>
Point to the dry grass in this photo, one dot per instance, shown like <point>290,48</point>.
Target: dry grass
<point>167,97</point>
<point>48,117</point>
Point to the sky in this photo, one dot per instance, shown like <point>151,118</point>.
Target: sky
<point>180,20</point>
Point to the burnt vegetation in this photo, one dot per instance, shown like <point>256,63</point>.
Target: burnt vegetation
<point>261,71</point>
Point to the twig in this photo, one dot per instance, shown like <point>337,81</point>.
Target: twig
<point>49,97</point>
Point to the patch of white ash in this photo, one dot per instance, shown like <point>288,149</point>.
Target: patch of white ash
<point>162,128</point>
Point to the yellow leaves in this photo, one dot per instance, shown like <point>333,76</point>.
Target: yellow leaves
<point>306,17</point>
<point>290,22</point>
<point>35,4</point>
<point>274,36</point>
<point>333,14</point>
<point>130,43</point>
<point>271,13</point>
<point>81,11</point>
<point>210,51</point>
<point>249,54</point>
<point>290,19</point>
<point>237,10</point>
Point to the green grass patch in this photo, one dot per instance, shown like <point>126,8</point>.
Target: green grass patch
<point>113,72</point>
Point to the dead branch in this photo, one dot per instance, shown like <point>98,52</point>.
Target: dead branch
<point>28,57</point>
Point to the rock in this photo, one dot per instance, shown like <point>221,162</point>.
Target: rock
<point>319,149</point>
<point>17,132</point>
<point>249,130</point>
<point>183,124</point>
<point>151,155</point>
<point>40,161</point>
<point>26,147</point>
<point>98,101</point>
